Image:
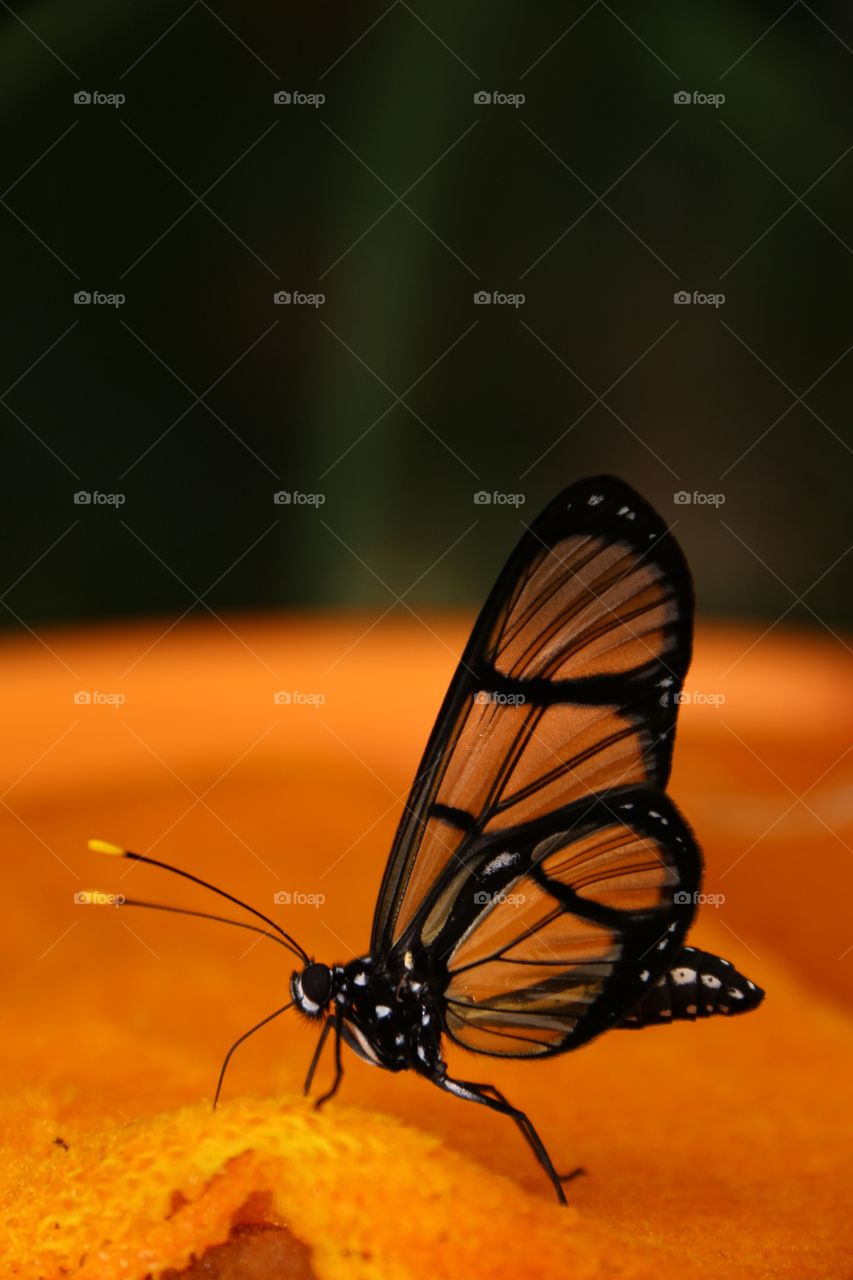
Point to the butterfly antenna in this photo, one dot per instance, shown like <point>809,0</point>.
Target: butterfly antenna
<point>205,915</point>
<point>115,851</point>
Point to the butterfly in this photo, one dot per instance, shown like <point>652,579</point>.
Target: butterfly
<point>541,882</point>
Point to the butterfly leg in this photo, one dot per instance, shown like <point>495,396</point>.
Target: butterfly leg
<point>472,1092</point>
<point>528,1129</point>
<point>324,1034</point>
<point>339,1071</point>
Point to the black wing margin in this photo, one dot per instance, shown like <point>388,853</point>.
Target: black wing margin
<point>567,689</point>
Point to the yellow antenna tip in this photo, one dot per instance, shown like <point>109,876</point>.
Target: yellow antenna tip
<point>104,846</point>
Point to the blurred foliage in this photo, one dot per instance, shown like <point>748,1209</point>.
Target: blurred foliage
<point>398,198</point>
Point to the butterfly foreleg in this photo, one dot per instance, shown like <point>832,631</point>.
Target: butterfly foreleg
<point>315,1059</point>
<point>339,1070</point>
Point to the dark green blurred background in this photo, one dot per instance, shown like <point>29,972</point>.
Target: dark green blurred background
<point>398,198</point>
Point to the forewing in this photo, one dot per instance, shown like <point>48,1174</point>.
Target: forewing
<point>567,688</point>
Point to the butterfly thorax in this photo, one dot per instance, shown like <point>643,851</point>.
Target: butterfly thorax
<point>387,1013</point>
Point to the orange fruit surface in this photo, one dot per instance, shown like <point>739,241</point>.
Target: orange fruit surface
<point>718,1150</point>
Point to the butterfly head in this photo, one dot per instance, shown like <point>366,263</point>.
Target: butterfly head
<point>312,989</point>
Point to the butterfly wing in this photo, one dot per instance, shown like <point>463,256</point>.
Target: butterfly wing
<point>554,931</point>
<point>567,689</point>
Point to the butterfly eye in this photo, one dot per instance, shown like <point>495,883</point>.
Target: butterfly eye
<point>317,983</point>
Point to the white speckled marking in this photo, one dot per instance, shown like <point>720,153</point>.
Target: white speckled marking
<point>498,863</point>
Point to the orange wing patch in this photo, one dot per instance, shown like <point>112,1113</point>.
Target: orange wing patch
<point>587,607</point>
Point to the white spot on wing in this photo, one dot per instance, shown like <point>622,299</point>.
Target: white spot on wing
<point>498,863</point>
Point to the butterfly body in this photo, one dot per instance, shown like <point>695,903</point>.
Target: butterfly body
<point>385,1013</point>
<point>698,985</point>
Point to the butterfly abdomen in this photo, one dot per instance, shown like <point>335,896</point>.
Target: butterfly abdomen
<point>697,985</point>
